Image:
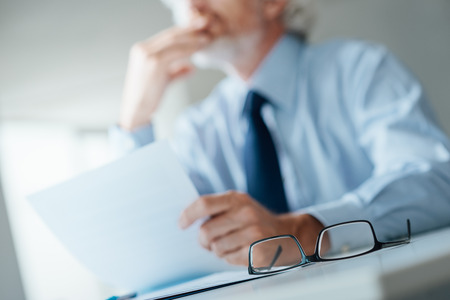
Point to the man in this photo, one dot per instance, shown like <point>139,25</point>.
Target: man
<point>298,136</point>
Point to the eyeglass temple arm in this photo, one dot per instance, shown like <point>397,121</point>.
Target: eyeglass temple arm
<point>275,257</point>
<point>399,242</point>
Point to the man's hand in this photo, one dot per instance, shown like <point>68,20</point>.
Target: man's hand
<point>236,220</point>
<point>153,64</point>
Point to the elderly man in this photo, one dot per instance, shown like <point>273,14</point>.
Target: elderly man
<point>298,136</point>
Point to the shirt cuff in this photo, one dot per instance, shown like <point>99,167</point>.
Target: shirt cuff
<point>123,141</point>
<point>348,208</point>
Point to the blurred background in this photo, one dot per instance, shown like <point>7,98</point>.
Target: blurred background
<point>62,66</point>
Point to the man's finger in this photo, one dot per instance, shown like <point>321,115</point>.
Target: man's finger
<point>204,207</point>
<point>174,35</point>
<point>237,239</point>
<point>220,226</point>
<point>181,49</point>
<point>188,38</point>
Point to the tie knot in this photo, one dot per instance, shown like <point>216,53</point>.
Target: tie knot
<point>254,103</point>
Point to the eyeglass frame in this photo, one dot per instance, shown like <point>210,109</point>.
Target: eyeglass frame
<point>307,259</point>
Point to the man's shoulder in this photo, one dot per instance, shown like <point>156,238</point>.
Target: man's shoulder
<point>343,58</point>
<point>345,50</point>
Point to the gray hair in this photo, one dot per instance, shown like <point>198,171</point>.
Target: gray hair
<point>299,15</point>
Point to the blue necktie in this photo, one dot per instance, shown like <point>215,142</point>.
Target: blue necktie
<point>264,181</point>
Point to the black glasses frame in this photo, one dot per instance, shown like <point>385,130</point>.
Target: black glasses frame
<point>306,259</point>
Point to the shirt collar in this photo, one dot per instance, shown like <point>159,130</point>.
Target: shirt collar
<point>276,76</point>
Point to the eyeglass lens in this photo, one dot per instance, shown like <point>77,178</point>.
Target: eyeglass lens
<point>346,240</point>
<point>275,254</point>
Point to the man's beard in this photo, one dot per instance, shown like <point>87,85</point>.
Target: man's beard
<point>225,52</point>
<point>219,55</point>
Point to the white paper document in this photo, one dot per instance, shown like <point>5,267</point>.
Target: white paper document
<point>121,220</point>
<point>208,282</point>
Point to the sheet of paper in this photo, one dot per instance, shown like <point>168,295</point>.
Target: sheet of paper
<point>217,279</point>
<point>120,221</point>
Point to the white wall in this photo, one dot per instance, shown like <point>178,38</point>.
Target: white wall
<point>65,60</point>
<point>10,280</point>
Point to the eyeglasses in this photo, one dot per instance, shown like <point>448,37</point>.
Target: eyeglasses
<point>336,242</point>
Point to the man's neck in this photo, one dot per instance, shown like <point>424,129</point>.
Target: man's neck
<point>249,61</point>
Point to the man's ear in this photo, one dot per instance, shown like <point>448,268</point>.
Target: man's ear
<point>273,9</point>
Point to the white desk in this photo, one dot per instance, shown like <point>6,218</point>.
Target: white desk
<point>420,270</point>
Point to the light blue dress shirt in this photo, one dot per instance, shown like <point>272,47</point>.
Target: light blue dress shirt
<point>353,130</point>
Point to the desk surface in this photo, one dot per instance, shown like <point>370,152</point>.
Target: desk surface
<point>414,271</point>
